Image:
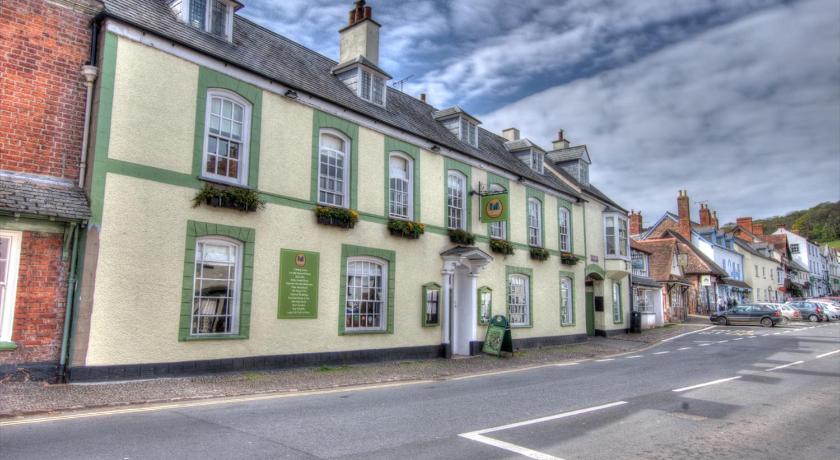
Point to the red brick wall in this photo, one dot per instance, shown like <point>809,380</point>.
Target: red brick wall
<point>42,93</point>
<point>41,298</point>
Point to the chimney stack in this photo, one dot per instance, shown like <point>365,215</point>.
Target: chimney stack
<point>715,222</point>
<point>635,222</point>
<point>758,229</point>
<point>561,142</point>
<point>361,36</point>
<point>511,134</point>
<point>683,211</point>
<point>745,222</point>
<point>705,215</point>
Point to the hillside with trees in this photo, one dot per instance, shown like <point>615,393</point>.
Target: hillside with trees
<point>820,223</point>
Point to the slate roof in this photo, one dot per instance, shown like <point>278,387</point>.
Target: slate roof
<point>454,110</point>
<point>263,52</point>
<point>41,196</point>
<point>521,144</point>
<point>698,263</point>
<point>748,247</point>
<point>568,154</point>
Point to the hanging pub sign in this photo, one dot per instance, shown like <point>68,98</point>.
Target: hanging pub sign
<point>494,207</point>
<point>298,284</point>
<point>705,280</point>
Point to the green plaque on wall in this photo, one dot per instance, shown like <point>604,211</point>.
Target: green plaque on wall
<point>298,284</point>
<point>494,207</point>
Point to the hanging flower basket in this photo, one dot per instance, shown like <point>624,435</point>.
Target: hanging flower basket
<point>461,237</point>
<point>243,199</point>
<point>539,253</point>
<point>567,258</point>
<point>337,217</point>
<point>406,228</point>
<point>501,247</point>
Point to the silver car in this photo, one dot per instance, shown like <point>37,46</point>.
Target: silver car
<point>832,311</point>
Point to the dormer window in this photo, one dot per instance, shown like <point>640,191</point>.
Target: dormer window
<point>372,88</point>
<point>461,124</point>
<point>537,158</point>
<point>469,132</point>
<point>211,16</point>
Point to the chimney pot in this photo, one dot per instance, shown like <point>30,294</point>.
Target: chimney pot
<point>561,142</point>
<point>361,36</point>
<point>368,12</point>
<point>423,97</point>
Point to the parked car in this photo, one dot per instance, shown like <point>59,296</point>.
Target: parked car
<point>748,314</point>
<point>832,311</point>
<point>810,311</point>
<point>788,313</point>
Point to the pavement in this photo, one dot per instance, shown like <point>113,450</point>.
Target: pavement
<point>27,398</point>
<point>724,392</point>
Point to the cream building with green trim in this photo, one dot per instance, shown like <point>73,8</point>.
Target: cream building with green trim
<point>177,281</point>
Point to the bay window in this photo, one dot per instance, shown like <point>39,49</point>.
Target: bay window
<point>616,240</point>
<point>226,137</point>
<point>333,169</point>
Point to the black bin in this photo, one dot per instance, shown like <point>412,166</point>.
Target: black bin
<point>635,322</point>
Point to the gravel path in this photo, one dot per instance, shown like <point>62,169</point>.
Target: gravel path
<point>23,398</point>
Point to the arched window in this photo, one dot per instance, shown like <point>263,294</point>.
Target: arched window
<point>226,137</point>
<point>534,222</point>
<point>498,230</point>
<point>566,304</point>
<point>565,230</point>
<point>333,169</point>
<point>519,301</point>
<point>218,267</point>
<point>456,200</point>
<point>366,306</point>
<point>400,186</point>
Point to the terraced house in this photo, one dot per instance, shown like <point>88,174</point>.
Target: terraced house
<point>256,204</point>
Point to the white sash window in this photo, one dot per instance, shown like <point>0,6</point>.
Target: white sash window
<point>333,169</point>
<point>226,137</point>
<point>366,305</point>
<point>400,193</point>
<point>519,300</point>
<point>218,266</point>
<point>456,201</point>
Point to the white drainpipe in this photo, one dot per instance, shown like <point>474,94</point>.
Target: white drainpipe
<point>89,72</point>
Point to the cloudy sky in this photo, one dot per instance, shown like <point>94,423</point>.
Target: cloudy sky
<point>737,101</point>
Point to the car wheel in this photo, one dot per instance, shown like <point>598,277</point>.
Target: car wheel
<point>785,321</point>
<point>766,322</point>
<point>813,318</point>
<point>722,321</point>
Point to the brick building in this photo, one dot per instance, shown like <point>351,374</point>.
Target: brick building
<point>44,83</point>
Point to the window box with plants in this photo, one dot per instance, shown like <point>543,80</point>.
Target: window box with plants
<point>501,247</point>
<point>406,228</point>
<point>567,258</point>
<point>461,237</point>
<point>243,199</point>
<point>337,217</point>
<point>539,253</point>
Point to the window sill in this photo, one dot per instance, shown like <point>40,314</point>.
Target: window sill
<point>199,338</point>
<point>522,326</point>
<point>365,332</point>
<point>8,346</point>
<point>217,181</point>
<point>567,325</point>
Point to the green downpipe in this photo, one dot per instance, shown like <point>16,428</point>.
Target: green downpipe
<point>69,304</point>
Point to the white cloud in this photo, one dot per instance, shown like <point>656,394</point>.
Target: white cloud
<point>744,116</point>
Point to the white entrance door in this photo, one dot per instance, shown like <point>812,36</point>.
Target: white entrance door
<point>463,311</point>
<point>9,259</point>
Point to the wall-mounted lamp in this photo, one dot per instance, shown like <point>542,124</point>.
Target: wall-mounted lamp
<point>291,94</point>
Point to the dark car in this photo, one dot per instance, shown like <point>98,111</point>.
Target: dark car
<point>809,311</point>
<point>748,314</point>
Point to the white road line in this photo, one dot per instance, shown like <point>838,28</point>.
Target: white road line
<point>828,354</point>
<point>683,348</point>
<point>788,331</point>
<point>524,451</point>
<point>776,333</point>
<point>785,365</point>
<point>604,360</point>
<point>546,419</point>
<point>687,333</point>
<point>704,345</point>
<point>713,382</point>
<point>635,356</point>
<point>739,338</point>
<point>722,341</point>
<point>752,337</point>
<point>566,364</point>
<point>661,352</point>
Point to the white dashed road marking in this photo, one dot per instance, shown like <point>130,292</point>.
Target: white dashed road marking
<point>635,356</point>
<point>785,365</point>
<point>604,360</point>
<point>713,382</point>
<point>704,345</point>
<point>828,354</point>
<point>683,348</point>
<point>661,352</point>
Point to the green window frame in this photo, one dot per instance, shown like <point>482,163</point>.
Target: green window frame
<point>454,165</point>
<point>479,299</point>
<point>321,121</point>
<point>493,179</point>
<point>617,308</point>
<point>529,273</point>
<point>208,80</point>
<point>571,277</point>
<point>397,146</point>
<point>539,196</point>
<point>425,320</point>
<point>350,251</point>
<point>247,237</point>
<point>563,204</point>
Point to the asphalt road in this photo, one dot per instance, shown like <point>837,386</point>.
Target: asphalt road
<point>761,402</point>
